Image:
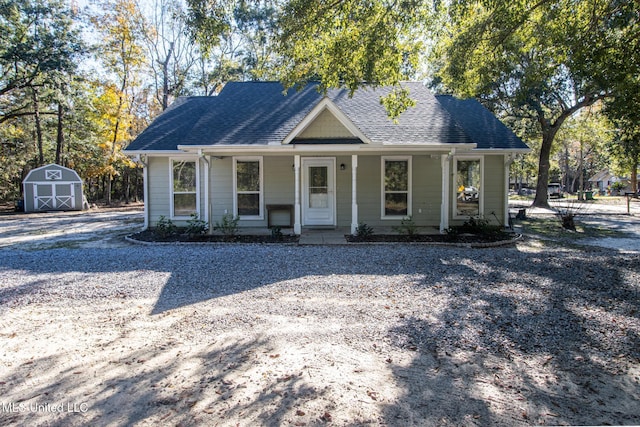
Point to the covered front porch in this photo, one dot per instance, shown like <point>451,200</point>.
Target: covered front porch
<point>333,190</point>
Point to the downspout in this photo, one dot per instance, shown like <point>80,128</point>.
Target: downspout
<point>145,188</point>
<point>206,187</point>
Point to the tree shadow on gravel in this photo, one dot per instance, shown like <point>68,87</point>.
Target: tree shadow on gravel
<point>162,383</point>
<point>550,341</point>
<point>559,347</point>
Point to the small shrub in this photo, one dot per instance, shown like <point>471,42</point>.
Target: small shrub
<point>276,233</point>
<point>363,230</point>
<point>407,227</point>
<point>478,226</point>
<point>165,227</point>
<point>196,226</point>
<point>228,225</point>
<point>568,213</point>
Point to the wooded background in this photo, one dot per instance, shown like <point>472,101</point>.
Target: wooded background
<point>79,81</point>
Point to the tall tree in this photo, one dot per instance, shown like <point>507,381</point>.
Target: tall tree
<point>40,47</point>
<point>172,55</point>
<point>624,111</point>
<point>544,61</point>
<point>122,28</point>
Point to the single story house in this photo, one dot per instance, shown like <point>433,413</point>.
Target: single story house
<point>52,188</point>
<point>302,158</point>
<point>603,180</point>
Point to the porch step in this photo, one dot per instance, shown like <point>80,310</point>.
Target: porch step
<point>329,236</point>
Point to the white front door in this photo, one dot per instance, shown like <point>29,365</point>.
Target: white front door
<point>318,191</point>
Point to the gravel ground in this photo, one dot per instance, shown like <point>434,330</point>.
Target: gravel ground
<point>246,335</point>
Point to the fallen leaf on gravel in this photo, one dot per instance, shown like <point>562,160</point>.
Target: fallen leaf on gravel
<point>300,413</point>
<point>326,417</point>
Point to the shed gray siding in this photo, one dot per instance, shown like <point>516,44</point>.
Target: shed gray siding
<point>52,188</point>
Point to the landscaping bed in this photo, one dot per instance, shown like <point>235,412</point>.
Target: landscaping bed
<point>434,238</point>
<point>151,236</point>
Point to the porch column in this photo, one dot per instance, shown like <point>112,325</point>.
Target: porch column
<point>444,208</point>
<point>508,159</point>
<point>297,226</point>
<point>354,193</point>
<point>207,166</point>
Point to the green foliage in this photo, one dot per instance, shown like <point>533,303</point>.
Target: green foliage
<point>276,233</point>
<point>348,43</point>
<point>407,227</point>
<point>618,186</point>
<point>165,227</point>
<point>540,61</point>
<point>228,225</point>
<point>196,226</point>
<point>475,225</point>
<point>363,230</point>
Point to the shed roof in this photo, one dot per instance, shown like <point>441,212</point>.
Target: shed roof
<point>41,174</point>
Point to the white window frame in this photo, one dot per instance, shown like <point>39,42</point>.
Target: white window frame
<point>383,160</point>
<point>258,159</point>
<point>454,189</point>
<point>171,199</point>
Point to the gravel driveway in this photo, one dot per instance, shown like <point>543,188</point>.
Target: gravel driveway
<point>315,335</point>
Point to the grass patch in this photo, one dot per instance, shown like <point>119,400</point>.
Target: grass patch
<point>551,227</point>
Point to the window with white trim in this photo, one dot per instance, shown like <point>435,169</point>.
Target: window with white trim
<point>184,190</point>
<point>468,181</point>
<point>396,187</point>
<point>248,186</point>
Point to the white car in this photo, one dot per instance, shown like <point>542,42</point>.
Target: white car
<point>554,190</point>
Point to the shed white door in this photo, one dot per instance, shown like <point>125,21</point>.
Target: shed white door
<point>318,191</point>
<point>60,195</point>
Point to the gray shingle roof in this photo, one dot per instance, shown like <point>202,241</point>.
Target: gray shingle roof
<point>259,113</point>
<point>480,124</point>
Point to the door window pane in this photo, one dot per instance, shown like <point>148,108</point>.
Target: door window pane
<point>318,187</point>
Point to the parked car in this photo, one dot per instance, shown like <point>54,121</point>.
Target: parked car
<point>554,190</point>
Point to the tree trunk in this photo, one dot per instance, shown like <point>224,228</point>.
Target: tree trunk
<point>634,178</point>
<point>581,174</point>
<point>541,200</point>
<point>126,184</point>
<point>36,115</point>
<point>59,136</point>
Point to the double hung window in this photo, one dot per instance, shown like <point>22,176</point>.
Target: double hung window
<point>396,187</point>
<point>248,187</point>
<point>184,194</point>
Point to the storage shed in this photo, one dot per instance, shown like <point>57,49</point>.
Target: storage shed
<point>52,188</point>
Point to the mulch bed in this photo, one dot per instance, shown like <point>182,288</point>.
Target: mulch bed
<point>464,239</point>
<point>150,236</point>
<point>433,238</point>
